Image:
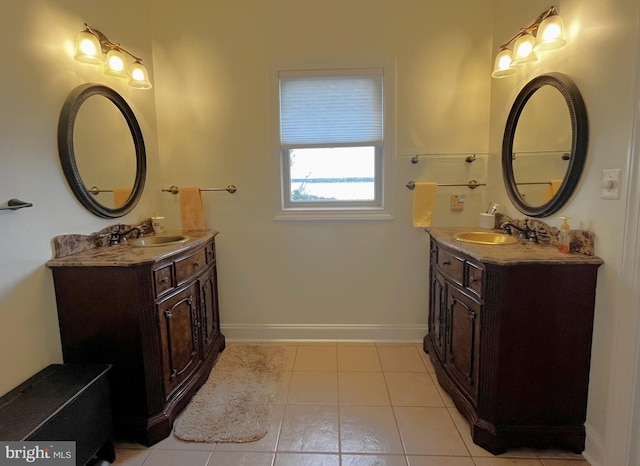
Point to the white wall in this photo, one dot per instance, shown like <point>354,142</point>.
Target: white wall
<point>601,58</point>
<point>324,279</point>
<point>311,279</point>
<point>37,75</point>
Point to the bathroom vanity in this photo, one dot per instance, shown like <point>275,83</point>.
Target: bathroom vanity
<point>151,312</point>
<point>510,330</point>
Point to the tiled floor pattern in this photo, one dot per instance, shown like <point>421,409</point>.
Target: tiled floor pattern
<point>352,404</point>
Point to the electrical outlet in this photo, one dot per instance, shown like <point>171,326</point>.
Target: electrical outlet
<point>457,203</point>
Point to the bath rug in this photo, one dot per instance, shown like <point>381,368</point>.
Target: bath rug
<point>235,403</point>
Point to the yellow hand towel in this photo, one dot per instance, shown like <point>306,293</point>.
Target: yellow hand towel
<point>191,210</point>
<point>120,196</point>
<point>424,203</point>
<point>555,185</point>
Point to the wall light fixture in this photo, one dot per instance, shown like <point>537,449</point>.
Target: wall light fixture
<point>545,33</point>
<point>93,47</point>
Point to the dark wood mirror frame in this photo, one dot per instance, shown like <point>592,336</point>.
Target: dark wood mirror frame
<point>579,142</point>
<point>68,157</point>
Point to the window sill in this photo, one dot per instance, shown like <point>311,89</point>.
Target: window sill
<point>333,214</point>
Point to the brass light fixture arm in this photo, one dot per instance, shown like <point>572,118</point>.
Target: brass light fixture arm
<point>107,45</point>
<point>532,27</point>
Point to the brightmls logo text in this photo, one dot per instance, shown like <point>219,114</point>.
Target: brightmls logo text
<point>38,453</point>
<point>29,455</point>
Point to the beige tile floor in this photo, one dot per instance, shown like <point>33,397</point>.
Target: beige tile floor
<point>352,404</point>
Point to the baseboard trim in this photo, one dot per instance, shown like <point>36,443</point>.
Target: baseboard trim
<point>594,451</point>
<point>324,332</point>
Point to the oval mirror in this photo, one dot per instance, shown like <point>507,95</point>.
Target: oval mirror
<point>102,150</point>
<point>545,145</point>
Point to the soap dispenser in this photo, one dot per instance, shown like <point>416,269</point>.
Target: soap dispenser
<point>564,239</point>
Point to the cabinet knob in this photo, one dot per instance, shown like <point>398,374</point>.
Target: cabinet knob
<point>446,262</point>
<point>472,279</point>
<point>164,280</point>
<point>196,264</point>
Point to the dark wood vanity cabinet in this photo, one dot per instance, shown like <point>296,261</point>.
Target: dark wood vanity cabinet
<point>157,322</point>
<point>178,324</point>
<point>462,335</point>
<point>437,308</point>
<point>209,324</point>
<point>510,341</point>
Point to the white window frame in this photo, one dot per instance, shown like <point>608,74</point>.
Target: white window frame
<point>339,210</point>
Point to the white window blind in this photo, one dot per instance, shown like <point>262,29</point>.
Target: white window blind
<point>324,110</point>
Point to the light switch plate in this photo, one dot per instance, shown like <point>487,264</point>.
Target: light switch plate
<point>610,183</point>
<point>457,203</point>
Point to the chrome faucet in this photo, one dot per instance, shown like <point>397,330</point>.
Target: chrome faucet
<point>527,233</point>
<point>118,236</point>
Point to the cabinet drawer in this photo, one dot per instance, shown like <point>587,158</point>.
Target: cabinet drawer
<point>475,278</point>
<point>163,279</point>
<point>450,265</point>
<point>190,265</point>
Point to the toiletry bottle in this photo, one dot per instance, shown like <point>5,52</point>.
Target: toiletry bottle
<point>564,239</point>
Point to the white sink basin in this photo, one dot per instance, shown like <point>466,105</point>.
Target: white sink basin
<point>164,240</point>
<point>485,237</point>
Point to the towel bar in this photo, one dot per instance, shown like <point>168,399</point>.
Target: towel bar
<point>15,204</point>
<point>175,190</point>
<point>534,182</point>
<point>472,184</point>
<point>95,190</point>
<point>416,158</point>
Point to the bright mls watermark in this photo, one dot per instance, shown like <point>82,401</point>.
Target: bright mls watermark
<point>38,453</point>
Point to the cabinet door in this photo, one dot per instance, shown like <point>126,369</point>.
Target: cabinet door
<point>462,351</point>
<point>437,314</point>
<point>209,310</point>
<point>178,322</point>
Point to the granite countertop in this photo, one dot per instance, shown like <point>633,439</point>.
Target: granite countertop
<point>126,255</point>
<point>508,254</point>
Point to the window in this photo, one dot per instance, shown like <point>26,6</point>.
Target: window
<point>332,139</point>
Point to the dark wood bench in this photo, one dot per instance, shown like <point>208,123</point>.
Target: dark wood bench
<point>63,402</point>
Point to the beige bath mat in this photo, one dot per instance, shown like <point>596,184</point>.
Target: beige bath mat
<point>236,402</point>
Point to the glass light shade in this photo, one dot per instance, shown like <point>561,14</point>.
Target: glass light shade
<point>550,34</point>
<point>115,64</point>
<point>503,67</point>
<point>139,78</point>
<point>88,48</point>
<point>523,50</point>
